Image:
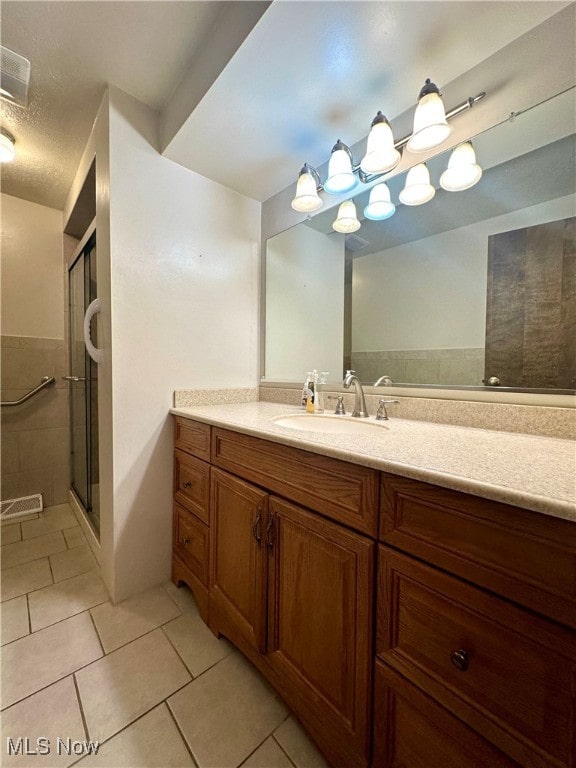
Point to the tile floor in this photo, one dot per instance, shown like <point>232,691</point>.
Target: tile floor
<point>145,678</point>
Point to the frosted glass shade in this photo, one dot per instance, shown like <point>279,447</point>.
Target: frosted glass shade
<point>340,176</point>
<point>381,154</point>
<point>307,198</point>
<point>379,205</point>
<point>430,125</point>
<point>347,220</point>
<point>417,189</point>
<point>463,171</point>
<point>7,151</point>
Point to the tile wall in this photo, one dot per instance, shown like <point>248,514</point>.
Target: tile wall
<point>35,437</point>
<point>422,366</point>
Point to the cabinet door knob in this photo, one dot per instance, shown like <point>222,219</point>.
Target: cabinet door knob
<point>184,542</point>
<point>460,659</point>
<point>187,484</point>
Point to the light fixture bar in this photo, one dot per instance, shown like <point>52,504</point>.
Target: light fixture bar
<point>468,104</point>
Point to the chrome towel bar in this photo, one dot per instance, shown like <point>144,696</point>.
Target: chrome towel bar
<point>45,382</point>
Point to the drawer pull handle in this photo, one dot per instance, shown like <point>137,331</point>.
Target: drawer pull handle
<point>184,542</point>
<point>187,484</point>
<point>460,659</point>
<point>256,528</point>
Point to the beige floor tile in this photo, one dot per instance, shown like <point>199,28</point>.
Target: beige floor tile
<point>65,599</point>
<point>26,551</point>
<point>14,619</point>
<point>298,746</point>
<point>52,519</point>
<point>10,533</point>
<point>268,755</point>
<point>121,623</point>
<point>226,713</point>
<point>125,684</point>
<point>182,596</point>
<point>151,742</point>
<point>72,562</point>
<point>51,714</point>
<point>25,578</point>
<point>199,649</point>
<point>74,537</point>
<point>42,658</point>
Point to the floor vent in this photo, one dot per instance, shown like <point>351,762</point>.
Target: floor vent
<point>22,507</point>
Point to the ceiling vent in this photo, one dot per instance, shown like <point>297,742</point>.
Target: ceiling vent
<point>355,243</point>
<point>14,77</point>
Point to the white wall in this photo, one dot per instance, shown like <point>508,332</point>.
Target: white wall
<point>304,304</point>
<point>184,306</point>
<point>431,293</point>
<point>32,285</point>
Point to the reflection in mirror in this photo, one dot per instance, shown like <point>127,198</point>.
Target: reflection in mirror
<point>474,288</point>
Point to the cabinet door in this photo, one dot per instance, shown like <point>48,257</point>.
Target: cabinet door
<point>238,514</point>
<point>320,625</point>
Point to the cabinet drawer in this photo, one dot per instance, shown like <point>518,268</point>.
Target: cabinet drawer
<point>192,437</point>
<point>191,542</point>
<point>192,484</point>
<point>527,557</point>
<point>411,730</point>
<point>509,674</point>
<point>344,492</point>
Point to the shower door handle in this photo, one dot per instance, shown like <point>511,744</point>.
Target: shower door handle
<point>96,354</point>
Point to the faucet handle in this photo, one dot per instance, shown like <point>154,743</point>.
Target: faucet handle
<point>339,405</point>
<point>381,413</point>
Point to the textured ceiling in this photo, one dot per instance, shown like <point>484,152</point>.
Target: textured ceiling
<point>308,73</point>
<point>75,49</point>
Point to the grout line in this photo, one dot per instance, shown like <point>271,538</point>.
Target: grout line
<point>180,731</point>
<point>255,749</point>
<point>89,612</point>
<point>29,617</point>
<point>280,745</point>
<point>84,723</point>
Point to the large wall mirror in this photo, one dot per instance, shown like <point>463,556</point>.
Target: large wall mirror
<point>473,287</point>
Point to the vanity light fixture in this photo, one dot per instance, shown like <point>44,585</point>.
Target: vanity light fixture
<point>431,129</point>
<point>7,142</point>
<point>463,171</point>
<point>307,198</point>
<point>417,189</point>
<point>341,178</point>
<point>347,220</point>
<point>430,124</point>
<point>381,154</point>
<point>379,206</point>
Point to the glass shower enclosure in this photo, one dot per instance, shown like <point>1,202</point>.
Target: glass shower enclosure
<point>83,385</point>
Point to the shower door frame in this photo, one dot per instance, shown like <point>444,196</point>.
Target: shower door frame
<point>85,247</point>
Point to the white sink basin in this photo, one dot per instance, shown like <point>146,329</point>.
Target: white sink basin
<point>336,425</point>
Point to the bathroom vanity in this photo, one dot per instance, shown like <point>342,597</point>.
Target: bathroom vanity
<point>406,622</point>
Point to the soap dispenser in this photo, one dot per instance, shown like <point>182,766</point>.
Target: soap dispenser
<point>319,393</point>
<point>307,392</point>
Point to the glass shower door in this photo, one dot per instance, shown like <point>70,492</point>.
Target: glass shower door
<point>83,380</point>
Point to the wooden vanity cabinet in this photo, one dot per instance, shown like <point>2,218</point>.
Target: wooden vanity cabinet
<point>472,631</point>
<point>338,582</point>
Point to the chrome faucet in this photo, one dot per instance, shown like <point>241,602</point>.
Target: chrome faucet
<point>360,409</point>
<point>384,381</point>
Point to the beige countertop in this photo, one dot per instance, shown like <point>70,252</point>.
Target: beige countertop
<point>537,473</point>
